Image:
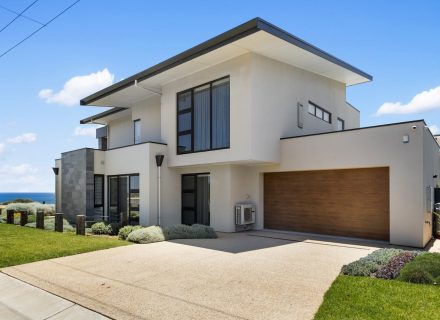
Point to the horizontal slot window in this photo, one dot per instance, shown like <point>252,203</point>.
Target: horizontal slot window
<point>319,112</point>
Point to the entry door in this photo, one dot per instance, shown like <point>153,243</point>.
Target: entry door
<point>195,199</point>
<point>124,199</point>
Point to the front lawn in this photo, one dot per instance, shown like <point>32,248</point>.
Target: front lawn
<point>369,298</point>
<point>20,245</point>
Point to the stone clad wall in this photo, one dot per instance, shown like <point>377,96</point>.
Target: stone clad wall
<point>77,183</point>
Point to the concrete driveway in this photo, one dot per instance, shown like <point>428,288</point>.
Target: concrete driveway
<point>258,275</point>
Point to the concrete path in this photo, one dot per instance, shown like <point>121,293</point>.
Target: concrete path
<point>22,301</point>
<point>238,276</point>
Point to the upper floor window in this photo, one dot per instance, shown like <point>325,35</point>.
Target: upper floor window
<point>319,112</point>
<point>203,117</point>
<point>137,131</point>
<point>341,124</point>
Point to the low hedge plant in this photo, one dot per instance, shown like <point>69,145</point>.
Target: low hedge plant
<point>180,231</point>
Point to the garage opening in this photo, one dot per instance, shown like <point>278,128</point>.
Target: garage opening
<point>348,202</point>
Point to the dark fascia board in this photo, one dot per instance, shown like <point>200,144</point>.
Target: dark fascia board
<point>101,115</point>
<point>356,129</point>
<point>243,30</point>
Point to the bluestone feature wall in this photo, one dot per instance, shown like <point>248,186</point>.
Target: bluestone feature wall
<point>77,179</point>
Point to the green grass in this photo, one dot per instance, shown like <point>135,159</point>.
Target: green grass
<point>369,298</point>
<point>424,268</point>
<point>20,245</point>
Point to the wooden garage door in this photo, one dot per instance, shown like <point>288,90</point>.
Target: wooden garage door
<point>350,203</point>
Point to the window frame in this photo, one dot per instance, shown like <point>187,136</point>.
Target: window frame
<point>99,205</point>
<point>322,110</point>
<point>191,111</point>
<point>134,131</point>
<point>343,124</point>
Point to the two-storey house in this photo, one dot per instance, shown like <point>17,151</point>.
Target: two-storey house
<point>255,116</point>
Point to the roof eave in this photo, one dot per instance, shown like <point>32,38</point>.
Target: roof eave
<point>243,30</point>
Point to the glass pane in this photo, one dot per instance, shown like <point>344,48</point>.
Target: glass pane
<point>184,121</point>
<point>123,199</point>
<point>188,199</point>
<point>311,109</point>
<point>134,182</point>
<point>220,114</point>
<point>202,118</point>
<point>340,125</point>
<point>326,116</point>
<point>202,199</point>
<point>184,101</point>
<point>184,143</point>
<point>113,214</point>
<point>319,113</point>
<point>188,217</point>
<point>99,188</point>
<point>188,182</point>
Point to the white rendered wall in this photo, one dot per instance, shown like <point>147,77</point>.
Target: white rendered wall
<point>120,132</point>
<point>148,111</point>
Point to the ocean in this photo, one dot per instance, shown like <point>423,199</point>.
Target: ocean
<point>46,197</point>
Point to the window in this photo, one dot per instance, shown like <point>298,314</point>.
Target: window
<point>123,199</point>
<point>137,131</point>
<point>320,112</point>
<point>203,117</point>
<point>341,124</point>
<point>98,195</point>
<point>300,115</point>
<point>98,190</point>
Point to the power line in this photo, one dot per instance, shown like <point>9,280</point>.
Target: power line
<point>22,15</point>
<point>18,15</point>
<point>33,33</point>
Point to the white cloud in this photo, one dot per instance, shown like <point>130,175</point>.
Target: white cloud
<point>24,178</point>
<point>85,131</point>
<point>78,87</point>
<point>434,129</point>
<point>23,138</point>
<point>2,147</point>
<point>421,102</point>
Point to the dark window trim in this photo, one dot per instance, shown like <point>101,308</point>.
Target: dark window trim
<point>134,130</point>
<point>191,109</point>
<point>194,191</point>
<point>94,188</point>
<point>129,192</point>
<point>323,110</point>
<point>343,123</point>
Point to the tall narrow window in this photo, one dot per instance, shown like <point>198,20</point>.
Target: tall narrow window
<point>341,124</point>
<point>300,115</point>
<point>203,117</point>
<point>137,131</point>
<point>98,196</point>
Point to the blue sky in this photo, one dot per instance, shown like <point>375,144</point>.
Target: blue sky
<point>397,42</point>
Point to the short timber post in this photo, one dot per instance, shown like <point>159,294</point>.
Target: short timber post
<point>81,225</point>
<point>23,218</point>
<point>10,216</point>
<point>40,220</point>
<point>58,222</point>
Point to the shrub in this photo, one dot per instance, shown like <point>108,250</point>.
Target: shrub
<point>182,231</point>
<point>417,276</point>
<point>370,264</point>
<point>114,228</point>
<point>125,231</point>
<point>392,269</point>
<point>31,208</point>
<point>425,268</point>
<point>146,235</point>
<point>101,228</point>
<point>49,224</point>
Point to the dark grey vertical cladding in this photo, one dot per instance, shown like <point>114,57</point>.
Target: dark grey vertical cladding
<point>77,183</point>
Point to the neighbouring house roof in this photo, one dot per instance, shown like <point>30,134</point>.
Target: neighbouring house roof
<point>256,35</point>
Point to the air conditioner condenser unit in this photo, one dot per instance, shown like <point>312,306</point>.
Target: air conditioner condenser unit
<point>244,214</point>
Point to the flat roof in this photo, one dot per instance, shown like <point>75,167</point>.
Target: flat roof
<point>240,32</point>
